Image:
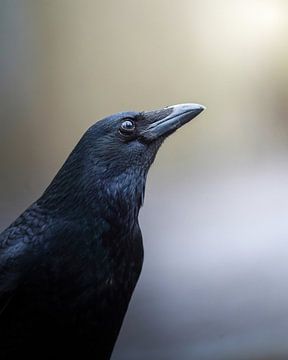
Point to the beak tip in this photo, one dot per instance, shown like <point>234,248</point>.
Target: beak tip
<point>188,106</point>
<point>192,108</point>
<point>198,108</point>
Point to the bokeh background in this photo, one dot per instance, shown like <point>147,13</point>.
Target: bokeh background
<point>214,283</point>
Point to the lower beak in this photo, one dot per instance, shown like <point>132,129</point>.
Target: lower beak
<point>173,118</point>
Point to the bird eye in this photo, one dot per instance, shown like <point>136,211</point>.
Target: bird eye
<point>127,127</point>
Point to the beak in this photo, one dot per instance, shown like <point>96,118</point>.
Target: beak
<point>165,121</point>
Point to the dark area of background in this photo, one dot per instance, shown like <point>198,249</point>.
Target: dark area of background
<point>214,283</point>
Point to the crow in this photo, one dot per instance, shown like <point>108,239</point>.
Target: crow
<point>70,262</point>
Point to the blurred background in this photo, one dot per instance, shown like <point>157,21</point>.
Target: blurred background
<point>214,282</point>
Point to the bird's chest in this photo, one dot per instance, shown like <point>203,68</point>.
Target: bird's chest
<point>96,268</point>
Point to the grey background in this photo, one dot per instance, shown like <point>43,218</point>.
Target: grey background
<point>214,283</point>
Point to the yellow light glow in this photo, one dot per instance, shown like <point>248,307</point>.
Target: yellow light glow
<point>234,30</point>
<point>261,16</point>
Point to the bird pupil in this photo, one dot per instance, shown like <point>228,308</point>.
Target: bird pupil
<point>127,126</point>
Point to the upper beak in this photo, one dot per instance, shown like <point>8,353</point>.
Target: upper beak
<point>165,121</point>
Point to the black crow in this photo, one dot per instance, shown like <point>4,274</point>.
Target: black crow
<point>70,262</point>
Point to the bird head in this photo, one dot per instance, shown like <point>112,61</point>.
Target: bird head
<point>130,140</point>
<point>114,155</point>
